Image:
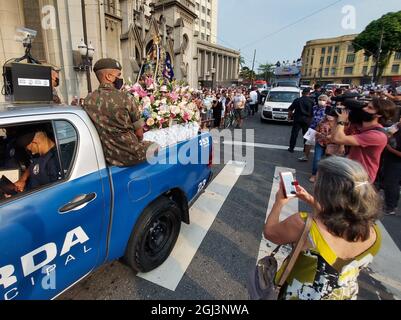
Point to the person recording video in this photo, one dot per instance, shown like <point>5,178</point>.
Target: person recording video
<point>370,140</point>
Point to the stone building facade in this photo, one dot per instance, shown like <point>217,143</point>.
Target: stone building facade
<point>334,60</point>
<point>120,29</point>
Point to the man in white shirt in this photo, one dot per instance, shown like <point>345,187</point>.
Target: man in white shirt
<point>254,101</point>
<point>239,107</point>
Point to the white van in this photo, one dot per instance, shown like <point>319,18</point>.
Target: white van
<point>277,103</point>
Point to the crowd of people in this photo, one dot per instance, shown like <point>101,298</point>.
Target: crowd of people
<point>357,140</point>
<point>217,104</point>
<point>361,125</point>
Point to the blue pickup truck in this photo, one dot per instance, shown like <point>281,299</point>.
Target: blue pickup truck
<point>54,236</point>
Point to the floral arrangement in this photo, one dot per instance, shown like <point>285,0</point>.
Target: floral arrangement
<point>170,114</point>
<point>166,106</point>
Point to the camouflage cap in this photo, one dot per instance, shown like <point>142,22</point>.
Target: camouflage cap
<point>107,64</point>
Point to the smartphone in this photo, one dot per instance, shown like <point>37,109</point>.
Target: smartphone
<point>287,178</point>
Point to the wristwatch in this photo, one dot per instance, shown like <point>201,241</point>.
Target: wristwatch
<point>341,123</point>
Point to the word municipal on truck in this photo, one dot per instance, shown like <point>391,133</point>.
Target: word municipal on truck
<point>30,265</point>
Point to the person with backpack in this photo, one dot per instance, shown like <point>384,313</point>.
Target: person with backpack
<point>370,140</point>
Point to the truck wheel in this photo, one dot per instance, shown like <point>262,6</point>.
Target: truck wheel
<point>154,236</point>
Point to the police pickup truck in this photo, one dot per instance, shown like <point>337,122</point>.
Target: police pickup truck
<point>52,237</point>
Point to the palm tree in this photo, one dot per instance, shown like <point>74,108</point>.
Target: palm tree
<point>266,71</point>
<point>241,61</point>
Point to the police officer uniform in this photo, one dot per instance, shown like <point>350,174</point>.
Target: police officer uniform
<point>116,117</point>
<point>44,169</point>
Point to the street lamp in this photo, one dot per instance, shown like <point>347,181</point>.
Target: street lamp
<point>87,53</point>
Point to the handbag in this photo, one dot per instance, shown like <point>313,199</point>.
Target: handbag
<point>262,284</point>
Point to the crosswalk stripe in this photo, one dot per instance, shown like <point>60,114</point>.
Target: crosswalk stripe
<point>260,145</point>
<point>386,265</point>
<point>266,247</point>
<point>203,213</point>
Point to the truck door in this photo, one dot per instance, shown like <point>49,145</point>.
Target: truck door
<point>51,237</point>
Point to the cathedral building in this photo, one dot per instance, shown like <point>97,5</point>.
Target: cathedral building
<point>126,30</point>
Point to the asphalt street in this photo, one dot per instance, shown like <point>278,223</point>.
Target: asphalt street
<point>220,266</point>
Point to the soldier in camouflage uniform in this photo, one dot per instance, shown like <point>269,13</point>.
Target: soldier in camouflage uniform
<point>116,117</point>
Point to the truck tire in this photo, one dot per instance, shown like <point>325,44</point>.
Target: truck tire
<point>154,236</point>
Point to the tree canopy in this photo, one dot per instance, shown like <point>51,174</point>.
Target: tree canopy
<point>266,71</point>
<point>389,26</point>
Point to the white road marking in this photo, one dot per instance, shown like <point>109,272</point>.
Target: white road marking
<point>266,247</point>
<point>202,214</point>
<point>260,145</point>
<point>386,265</point>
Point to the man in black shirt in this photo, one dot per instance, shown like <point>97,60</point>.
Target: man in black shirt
<point>301,111</point>
<point>392,173</point>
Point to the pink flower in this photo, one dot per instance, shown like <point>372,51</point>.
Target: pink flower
<point>152,99</point>
<point>174,97</point>
<point>186,117</point>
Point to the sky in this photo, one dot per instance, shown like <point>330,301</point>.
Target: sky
<point>279,29</point>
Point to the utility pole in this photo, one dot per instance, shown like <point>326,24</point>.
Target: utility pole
<point>88,69</point>
<point>378,58</point>
<point>253,67</point>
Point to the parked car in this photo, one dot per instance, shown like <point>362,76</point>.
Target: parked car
<point>277,103</point>
<point>95,213</point>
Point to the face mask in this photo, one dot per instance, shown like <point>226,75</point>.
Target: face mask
<point>118,84</point>
<point>57,82</point>
<point>322,103</point>
<point>368,117</point>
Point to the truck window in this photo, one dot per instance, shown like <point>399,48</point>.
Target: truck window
<point>23,168</point>
<point>67,139</point>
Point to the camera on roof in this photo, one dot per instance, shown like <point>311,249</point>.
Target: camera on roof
<point>26,36</point>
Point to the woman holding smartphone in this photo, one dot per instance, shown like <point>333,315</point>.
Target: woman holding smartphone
<point>343,238</point>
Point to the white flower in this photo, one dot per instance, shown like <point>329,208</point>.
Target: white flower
<point>191,113</point>
<point>146,100</point>
<point>175,110</point>
<point>191,106</point>
<point>182,105</point>
<point>164,108</point>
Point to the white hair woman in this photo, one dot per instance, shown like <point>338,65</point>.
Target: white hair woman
<point>343,238</point>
